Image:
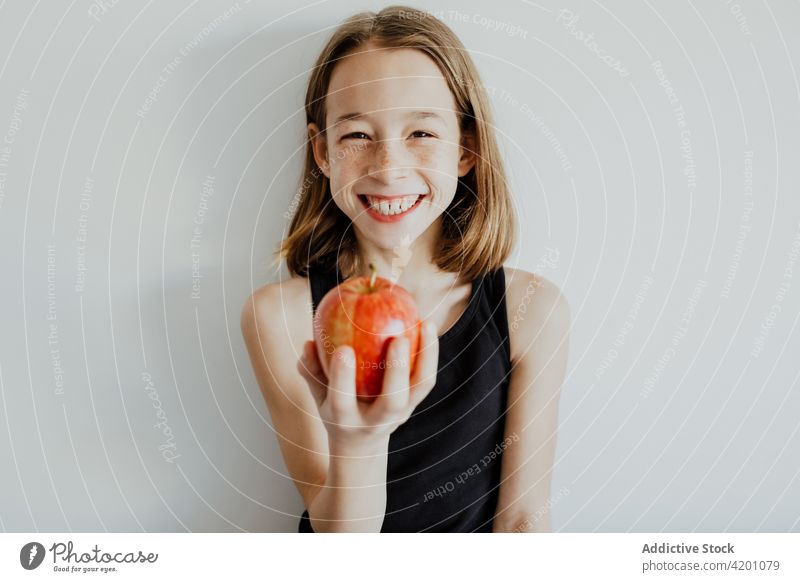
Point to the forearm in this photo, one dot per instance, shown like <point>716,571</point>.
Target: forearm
<point>532,523</point>
<point>353,498</point>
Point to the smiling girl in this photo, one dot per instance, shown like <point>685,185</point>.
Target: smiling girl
<point>403,171</point>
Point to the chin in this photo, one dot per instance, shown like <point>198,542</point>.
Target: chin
<point>393,242</point>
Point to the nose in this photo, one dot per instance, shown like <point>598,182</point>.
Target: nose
<point>389,161</point>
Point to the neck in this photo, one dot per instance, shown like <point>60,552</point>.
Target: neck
<point>409,265</point>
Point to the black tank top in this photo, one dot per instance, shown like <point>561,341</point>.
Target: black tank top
<point>444,462</point>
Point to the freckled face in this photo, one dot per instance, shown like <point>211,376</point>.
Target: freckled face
<point>403,140</point>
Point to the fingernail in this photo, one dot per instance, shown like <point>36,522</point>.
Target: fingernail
<point>348,358</point>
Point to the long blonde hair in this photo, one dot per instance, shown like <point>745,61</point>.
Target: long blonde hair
<point>479,228</point>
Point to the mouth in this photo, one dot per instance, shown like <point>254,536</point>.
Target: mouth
<point>390,208</point>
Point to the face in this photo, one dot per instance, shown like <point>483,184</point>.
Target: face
<point>392,149</point>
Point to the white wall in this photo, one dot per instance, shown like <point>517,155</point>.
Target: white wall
<point>669,252</point>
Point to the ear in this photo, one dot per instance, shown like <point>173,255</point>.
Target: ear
<point>467,154</point>
<point>320,148</point>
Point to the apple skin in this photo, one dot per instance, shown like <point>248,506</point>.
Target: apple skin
<point>365,317</point>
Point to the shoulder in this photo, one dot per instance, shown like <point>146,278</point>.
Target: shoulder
<point>284,305</point>
<point>291,293</point>
<point>536,308</point>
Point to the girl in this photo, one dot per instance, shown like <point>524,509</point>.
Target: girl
<point>403,172</point>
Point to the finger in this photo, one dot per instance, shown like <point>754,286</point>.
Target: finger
<point>311,371</point>
<point>314,363</point>
<point>426,366</point>
<point>342,381</point>
<point>393,398</point>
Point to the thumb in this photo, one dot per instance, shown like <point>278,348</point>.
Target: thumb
<point>342,387</point>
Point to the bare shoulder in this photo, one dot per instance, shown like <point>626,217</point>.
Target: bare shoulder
<point>536,308</point>
<point>285,305</point>
<point>289,288</point>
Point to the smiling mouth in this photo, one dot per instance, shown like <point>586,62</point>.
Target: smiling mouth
<point>390,206</point>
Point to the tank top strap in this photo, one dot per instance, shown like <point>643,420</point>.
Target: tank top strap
<point>496,294</point>
<point>321,281</point>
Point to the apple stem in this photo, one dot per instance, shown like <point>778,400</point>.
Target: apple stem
<point>372,278</point>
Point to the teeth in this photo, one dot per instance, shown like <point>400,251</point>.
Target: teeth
<point>394,207</point>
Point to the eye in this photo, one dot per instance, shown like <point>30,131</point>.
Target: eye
<point>355,135</point>
<point>424,134</point>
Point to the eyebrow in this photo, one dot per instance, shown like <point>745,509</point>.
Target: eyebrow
<point>412,115</point>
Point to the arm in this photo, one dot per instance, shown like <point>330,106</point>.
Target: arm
<point>335,447</point>
<point>353,498</point>
<point>331,482</point>
<point>540,338</point>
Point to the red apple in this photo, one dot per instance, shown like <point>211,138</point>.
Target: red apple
<point>364,312</point>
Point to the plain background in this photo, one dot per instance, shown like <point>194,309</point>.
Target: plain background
<point>677,246</point>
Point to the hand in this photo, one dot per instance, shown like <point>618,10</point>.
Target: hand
<point>353,424</point>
